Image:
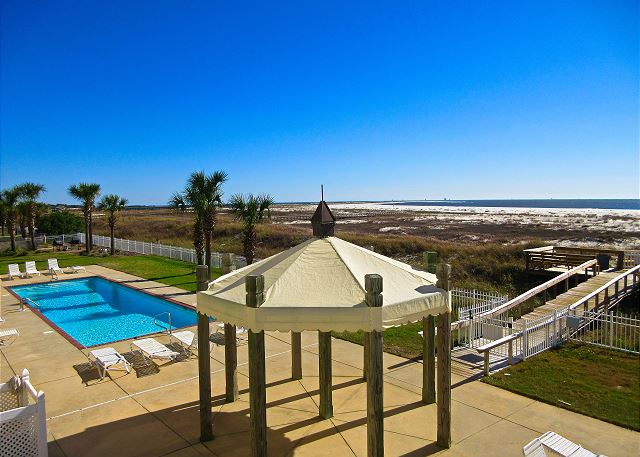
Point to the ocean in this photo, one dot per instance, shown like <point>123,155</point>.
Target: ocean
<point>614,203</point>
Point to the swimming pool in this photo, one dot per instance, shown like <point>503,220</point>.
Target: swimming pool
<point>93,311</point>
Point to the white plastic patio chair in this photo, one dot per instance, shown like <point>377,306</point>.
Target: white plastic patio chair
<point>559,445</point>
<point>30,268</point>
<point>76,268</point>
<point>53,266</point>
<point>6,335</point>
<point>14,270</point>
<point>153,349</point>
<point>106,359</point>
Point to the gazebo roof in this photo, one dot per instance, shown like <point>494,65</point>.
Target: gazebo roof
<point>319,285</point>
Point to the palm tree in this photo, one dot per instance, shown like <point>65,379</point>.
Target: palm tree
<point>87,194</point>
<point>112,204</point>
<point>204,194</point>
<point>30,194</point>
<point>250,210</point>
<point>10,201</point>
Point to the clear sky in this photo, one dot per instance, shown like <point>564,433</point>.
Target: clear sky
<point>395,100</point>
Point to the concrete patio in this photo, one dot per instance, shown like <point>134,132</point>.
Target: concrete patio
<point>157,415</point>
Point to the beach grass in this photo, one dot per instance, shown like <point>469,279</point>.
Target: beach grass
<point>167,271</point>
<point>594,381</point>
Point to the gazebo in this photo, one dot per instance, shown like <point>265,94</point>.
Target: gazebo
<point>325,284</point>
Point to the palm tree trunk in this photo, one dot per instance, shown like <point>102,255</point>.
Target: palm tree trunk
<point>12,235</point>
<point>113,249</point>
<point>198,240</point>
<point>250,241</point>
<point>90,231</point>
<point>32,228</point>
<point>207,250</point>
<point>86,232</point>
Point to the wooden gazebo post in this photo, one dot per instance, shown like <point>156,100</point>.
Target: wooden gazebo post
<point>230,343</point>
<point>325,381</point>
<point>375,408</point>
<point>204,361</point>
<point>254,286</point>
<point>296,355</point>
<point>444,363</point>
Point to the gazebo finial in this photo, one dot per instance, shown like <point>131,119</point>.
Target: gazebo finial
<point>323,221</point>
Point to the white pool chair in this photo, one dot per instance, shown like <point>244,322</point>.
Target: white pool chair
<point>53,267</point>
<point>30,268</point>
<point>76,268</point>
<point>186,338</point>
<point>241,332</point>
<point>153,349</point>
<point>558,445</point>
<point>6,335</point>
<point>106,359</point>
<point>14,270</point>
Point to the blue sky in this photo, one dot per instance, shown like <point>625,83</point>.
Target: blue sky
<point>391,100</point>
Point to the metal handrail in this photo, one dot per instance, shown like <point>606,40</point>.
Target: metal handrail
<point>155,322</point>
<point>33,302</point>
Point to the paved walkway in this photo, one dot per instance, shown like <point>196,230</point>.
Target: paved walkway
<point>157,415</point>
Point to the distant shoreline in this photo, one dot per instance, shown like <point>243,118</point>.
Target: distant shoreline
<point>625,204</point>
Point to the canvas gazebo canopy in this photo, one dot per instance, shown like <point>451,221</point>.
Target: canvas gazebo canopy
<point>320,285</point>
<point>326,284</point>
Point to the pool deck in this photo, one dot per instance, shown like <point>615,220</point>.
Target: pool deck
<point>157,415</point>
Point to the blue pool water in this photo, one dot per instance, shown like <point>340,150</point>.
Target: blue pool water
<point>97,311</point>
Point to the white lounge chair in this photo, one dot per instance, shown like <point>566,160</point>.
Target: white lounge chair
<point>241,332</point>
<point>6,335</point>
<point>106,359</point>
<point>14,270</point>
<point>76,268</point>
<point>154,349</point>
<point>186,338</point>
<point>53,267</point>
<point>30,268</point>
<point>559,445</point>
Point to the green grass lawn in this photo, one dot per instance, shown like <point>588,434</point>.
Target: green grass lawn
<point>167,271</point>
<point>594,381</point>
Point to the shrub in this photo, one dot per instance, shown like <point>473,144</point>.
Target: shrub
<point>59,223</point>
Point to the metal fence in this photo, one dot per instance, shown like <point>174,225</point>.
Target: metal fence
<point>467,303</point>
<point>610,330</point>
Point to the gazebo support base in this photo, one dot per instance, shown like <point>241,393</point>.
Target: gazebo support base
<point>230,363</point>
<point>257,395</point>
<point>296,355</point>
<point>444,380</point>
<point>428,360</point>
<point>325,379</point>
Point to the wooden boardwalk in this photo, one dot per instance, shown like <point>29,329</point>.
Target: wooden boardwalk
<point>468,363</point>
<point>573,295</point>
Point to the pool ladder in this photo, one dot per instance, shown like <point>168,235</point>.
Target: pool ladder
<point>155,322</point>
<point>27,299</point>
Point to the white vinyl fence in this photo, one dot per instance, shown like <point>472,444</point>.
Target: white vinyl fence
<point>23,425</point>
<point>146,248</point>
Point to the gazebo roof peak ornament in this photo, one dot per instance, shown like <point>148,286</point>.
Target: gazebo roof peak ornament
<point>323,220</point>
